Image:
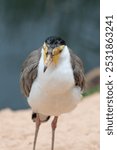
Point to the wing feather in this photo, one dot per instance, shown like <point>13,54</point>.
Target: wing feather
<point>78,70</point>
<point>29,71</point>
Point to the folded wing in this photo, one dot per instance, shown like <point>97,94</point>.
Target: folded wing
<point>29,71</point>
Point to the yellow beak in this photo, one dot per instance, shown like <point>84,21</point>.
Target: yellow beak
<point>47,62</point>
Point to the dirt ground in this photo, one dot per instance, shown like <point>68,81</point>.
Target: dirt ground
<point>78,130</point>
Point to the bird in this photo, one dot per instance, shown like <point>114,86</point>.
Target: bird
<point>52,79</point>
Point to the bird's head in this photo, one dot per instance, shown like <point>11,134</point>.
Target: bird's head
<point>53,47</point>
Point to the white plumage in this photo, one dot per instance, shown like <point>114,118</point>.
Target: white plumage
<point>53,92</point>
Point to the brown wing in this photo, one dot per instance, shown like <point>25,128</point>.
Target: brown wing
<point>78,70</point>
<point>29,71</point>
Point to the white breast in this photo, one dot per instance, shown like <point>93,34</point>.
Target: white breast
<point>53,92</point>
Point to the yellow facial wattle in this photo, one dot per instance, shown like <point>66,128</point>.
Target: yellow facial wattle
<point>45,51</point>
<point>44,57</point>
<point>55,53</point>
<point>56,58</point>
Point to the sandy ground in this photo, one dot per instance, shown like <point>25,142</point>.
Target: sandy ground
<point>78,130</point>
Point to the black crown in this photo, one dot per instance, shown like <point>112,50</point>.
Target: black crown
<point>54,41</point>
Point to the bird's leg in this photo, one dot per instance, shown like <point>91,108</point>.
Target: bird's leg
<point>54,125</point>
<point>37,123</point>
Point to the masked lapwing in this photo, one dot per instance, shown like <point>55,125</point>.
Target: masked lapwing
<point>52,79</point>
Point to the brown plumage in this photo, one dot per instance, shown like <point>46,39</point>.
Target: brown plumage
<point>29,71</point>
<point>78,70</point>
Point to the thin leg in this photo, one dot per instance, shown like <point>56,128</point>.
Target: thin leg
<point>37,122</point>
<point>54,125</point>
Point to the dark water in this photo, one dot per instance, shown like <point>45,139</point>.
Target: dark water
<point>25,24</point>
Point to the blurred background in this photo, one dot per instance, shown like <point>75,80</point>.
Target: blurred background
<point>24,25</point>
